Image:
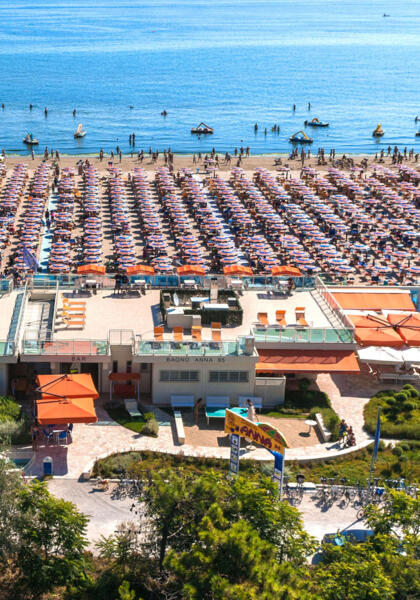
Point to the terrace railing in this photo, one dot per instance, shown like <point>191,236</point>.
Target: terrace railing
<point>300,335</point>
<point>190,348</point>
<point>7,348</point>
<point>72,347</point>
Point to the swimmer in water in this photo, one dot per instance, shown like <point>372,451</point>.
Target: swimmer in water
<point>164,113</point>
<point>74,112</point>
<point>45,111</point>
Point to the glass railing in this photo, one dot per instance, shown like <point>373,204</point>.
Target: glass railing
<point>70,347</point>
<point>7,348</point>
<point>189,348</point>
<point>311,335</point>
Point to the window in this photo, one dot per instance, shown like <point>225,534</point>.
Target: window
<point>129,366</point>
<point>115,366</point>
<point>228,377</point>
<point>185,376</point>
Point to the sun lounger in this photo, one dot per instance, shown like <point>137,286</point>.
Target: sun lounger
<point>158,332</point>
<point>74,322</point>
<point>179,401</point>
<point>216,335</point>
<point>216,325</point>
<point>178,334</point>
<point>281,317</point>
<point>196,333</point>
<point>300,316</point>
<point>131,407</point>
<point>262,318</point>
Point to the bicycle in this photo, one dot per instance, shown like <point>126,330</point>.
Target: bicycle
<point>322,491</point>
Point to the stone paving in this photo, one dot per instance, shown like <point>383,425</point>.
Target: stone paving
<point>348,395</point>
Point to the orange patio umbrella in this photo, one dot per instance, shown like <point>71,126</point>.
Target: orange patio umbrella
<point>378,336</point>
<point>140,270</point>
<point>65,410</point>
<point>368,320</point>
<point>78,385</point>
<point>190,270</point>
<point>408,326</point>
<point>286,270</point>
<point>237,270</point>
<point>91,270</point>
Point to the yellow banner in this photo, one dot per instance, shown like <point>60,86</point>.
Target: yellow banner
<point>263,434</point>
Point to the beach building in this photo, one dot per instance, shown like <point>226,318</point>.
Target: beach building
<point>204,336</point>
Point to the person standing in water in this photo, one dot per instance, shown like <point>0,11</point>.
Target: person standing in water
<point>309,106</point>
<point>74,112</point>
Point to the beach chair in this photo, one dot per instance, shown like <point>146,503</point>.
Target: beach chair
<point>132,408</point>
<point>281,318</point>
<point>300,316</point>
<point>262,318</point>
<point>178,334</point>
<point>196,333</point>
<point>62,436</point>
<point>71,311</point>
<point>72,302</point>
<point>216,325</point>
<point>76,321</point>
<point>216,331</point>
<point>158,332</point>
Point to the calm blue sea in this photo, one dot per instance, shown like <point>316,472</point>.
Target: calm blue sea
<point>227,63</point>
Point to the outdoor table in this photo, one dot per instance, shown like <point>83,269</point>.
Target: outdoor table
<point>310,424</point>
<point>220,413</point>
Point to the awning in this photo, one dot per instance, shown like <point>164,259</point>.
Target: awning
<point>286,270</point>
<point>237,270</point>
<point>124,376</point>
<point>309,361</point>
<point>374,301</point>
<point>91,270</point>
<point>191,270</point>
<point>140,270</point>
<point>412,355</point>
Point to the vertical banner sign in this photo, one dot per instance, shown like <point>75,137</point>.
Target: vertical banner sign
<point>235,445</point>
<point>278,470</point>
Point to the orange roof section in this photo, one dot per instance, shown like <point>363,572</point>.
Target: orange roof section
<point>61,411</point>
<point>309,361</point>
<point>78,385</point>
<point>374,301</point>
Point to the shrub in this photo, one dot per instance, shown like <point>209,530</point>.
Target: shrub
<point>399,418</point>
<point>404,446</point>
<point>9,409</point>
<point>306,399</point>
<point>400,397</point>
<point>151,428</point>
<point>304,384</point>
<point>397,451</point>
<point>409,405</point>
<point>331,420</point>
<point>412,390</point>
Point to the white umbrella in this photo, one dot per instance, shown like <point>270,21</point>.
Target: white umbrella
<point>381,355</point>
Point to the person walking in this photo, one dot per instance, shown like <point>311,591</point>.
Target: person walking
<point>197,407</point>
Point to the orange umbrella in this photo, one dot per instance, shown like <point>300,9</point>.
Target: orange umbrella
<point>237,270</point>
<point>286,270</point>
<point>408,326</point>
<point>378,336</point>
<point>65,410</point>
<point>190,270</point>
<point>78,385</point>
<point>368,321</point>
<point>140,270</point>
<point>91,270</point>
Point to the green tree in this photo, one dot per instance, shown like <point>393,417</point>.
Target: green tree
<point>10,484</point>
<point>51,534</point>
<point>353,573</point>
<point>230,562</point>
<point>399,516</point>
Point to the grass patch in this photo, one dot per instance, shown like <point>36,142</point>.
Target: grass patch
<point>285,413</point>
<point>354,467</point>
<point>147,425</point>
<point>400,413</point>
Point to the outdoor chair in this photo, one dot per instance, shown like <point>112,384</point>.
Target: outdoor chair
<point>62,436</point>
<point>300,316</point>
<point>132,408</point>
<point>48,435</point>
<point>281,318</point>
<point>196,333</point>
<point>158,332</point>
<point>178,334</point>
<point>262,318</point>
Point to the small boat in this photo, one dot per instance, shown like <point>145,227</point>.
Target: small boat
<point>202,129</point>
<point>316,123</point>
<point>300,137</point>
<point>378,132</point>
<point>30,140</point>
<point>79,133</point>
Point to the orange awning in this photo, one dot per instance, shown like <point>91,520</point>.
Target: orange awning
<point>140,270</point>
<point>374,301</point>
<point>123,376</point>
<point>378,336</point>
<point>79,385</point>
<point>60,411</point>
<point>91,270</point>
<point>309,361</point>
<point>237,270</point>
<point>190,270</point>
<point>286,270</point>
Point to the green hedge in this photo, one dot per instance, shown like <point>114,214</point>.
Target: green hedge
<point>14,426</point>
<point>306,399</point>
<point>400,413</point>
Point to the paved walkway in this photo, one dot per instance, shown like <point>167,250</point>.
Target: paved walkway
<point>94,441</point>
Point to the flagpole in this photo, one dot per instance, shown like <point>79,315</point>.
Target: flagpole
<point>282,474</point>
<point>375,446</point>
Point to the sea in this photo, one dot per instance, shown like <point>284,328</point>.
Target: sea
<point>227,63</point>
